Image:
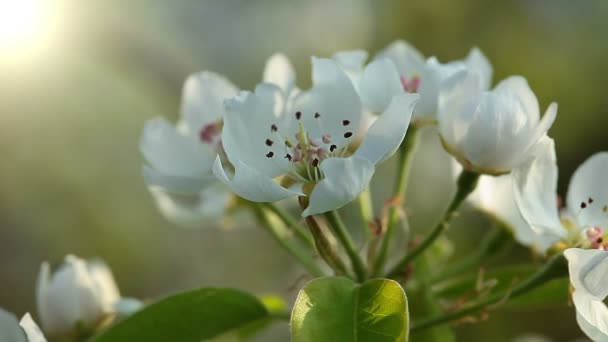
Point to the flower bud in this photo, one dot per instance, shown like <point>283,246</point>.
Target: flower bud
<point>79,294</point>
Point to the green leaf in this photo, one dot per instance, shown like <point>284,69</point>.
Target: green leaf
<point>190,317</point>
<point>337,309</point>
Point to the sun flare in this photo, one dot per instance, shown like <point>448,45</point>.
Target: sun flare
<point>24,25</point>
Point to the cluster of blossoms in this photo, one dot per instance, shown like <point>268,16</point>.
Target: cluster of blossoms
<point>77,299</point>
<point>323,144</point>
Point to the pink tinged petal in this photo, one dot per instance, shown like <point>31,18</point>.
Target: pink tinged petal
<point>409,61</point>
<point>251,119</point>
<point>589,185</point>
<point>173,154</point>
<point>203,98</point>
<point>535,188</point>
<point>251,184</point>
<point>31,329</point>
<point>478,62</point>
<point>344,179</point>
<point>280,72</point>
<point>387,132</point>
<point>379,83</point>
<point>9,328</point>
<point>589,271</point>
<point>190,210</point>
<point>591,316</point>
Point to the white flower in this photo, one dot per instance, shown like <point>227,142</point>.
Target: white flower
<point>490,132</point>
<point>309,145</point>
<point>582,226</point>
<point>426,78</point>
<point>24,331</point>
<point>179,158</point>
<point>77,292</point>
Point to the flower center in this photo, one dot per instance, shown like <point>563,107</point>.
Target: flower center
<point>410,85</point>
<point>303,152</point>
<point>587,237</point>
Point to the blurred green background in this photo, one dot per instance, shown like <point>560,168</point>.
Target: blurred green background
<point>72,110</point>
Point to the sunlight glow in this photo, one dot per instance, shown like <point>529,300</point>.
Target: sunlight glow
<point>24,25</point>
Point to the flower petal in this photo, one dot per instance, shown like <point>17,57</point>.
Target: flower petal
<point>352,60</point>
<point>173,154</point>
<point>535,188</point>
<point>409,61</point>
<point>9,328</point>
<point>478,62</point>
<point>203,98</point>
<point>176,184</point>
<point>104,284</point>
<point>280,72</point>
<point>379,84</point>
<point>591,316</point>
<point>387,132</point>
<point>251,184</point>
<point>590,181</point>
<point>516,87</point>
<point>344,179</point>
<point>31,329</point>
<point>190,210</point>
<point>588,271</point>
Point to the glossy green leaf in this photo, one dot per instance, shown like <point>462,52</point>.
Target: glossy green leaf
<point>191,316</point>
<point>337,309</point>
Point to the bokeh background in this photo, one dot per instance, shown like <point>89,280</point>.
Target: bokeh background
<point>79,81</point>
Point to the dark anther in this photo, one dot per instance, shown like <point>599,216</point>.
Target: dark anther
<point>269,142</point>
<point>332,148</point>
<point>288,156</point>
<point>599,240</point>
<point>298,115</point>
<point>270,154</point>
<point>583,205</point>
<point>317,115</point>
<point>345,122</point>
<point>590,200</point>
<point>315,162</point>
<point>274,128</point>
<point>348,134</point>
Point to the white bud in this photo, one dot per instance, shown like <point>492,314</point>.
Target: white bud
<point>78,292</point>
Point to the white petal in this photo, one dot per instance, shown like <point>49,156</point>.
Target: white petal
<point>495,196</point>
<point>32,331</point>
<point>432,79</point>
<point>590,181</point>
<point>592,316</point>
<point>252,185</point>
<point>588,271</point>
<point>516,87</point>
<point>193,210</point>
<point>203,98</point>
<point>540,130</point>
<point>176,184</point>
<point>379,84</point>
<point>386,134</point>
<point>409,61</point>
<point>478,62</point>
<point>9,328</point>
<point>535,190</point>
<point>127,306</point>
<point>173,154</point>
<point>104,283</point>
<point>247,127</point>
<point>280,72</point>
<point>352,60</point>
<point>344,179</point>
<point>43,284</point>
<point>334,98</point>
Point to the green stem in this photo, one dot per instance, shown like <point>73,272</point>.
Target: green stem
<point>338,228</point>
<point>367,211</point>
<point>467,181</point>
<point>406,154</point>
<point>556,267</point>
<point>291,223</point>
<point>281,236</point>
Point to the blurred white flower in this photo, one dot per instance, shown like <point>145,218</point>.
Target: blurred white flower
<point>310,145</point>
<point>24,331</point>
<point>179,158</point>
<point>581,227</point>
<point>426,77</point>
<point>79,292</point>
<point>490,132</point>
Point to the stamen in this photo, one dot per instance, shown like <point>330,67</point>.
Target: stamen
<point>326,138</point>
<point>345,122</point>
<point>605,208</point>
<point>332,148</point>
<point>590,200</point>
<point>317,115</point>
<point>288,156</point>
<point>348,134</point>
<point>315,162</point>
<point>269,142</point>
<point>298,115</point>
<point>583,205</point>
<point>274,128</point>
<point>270,154</point>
